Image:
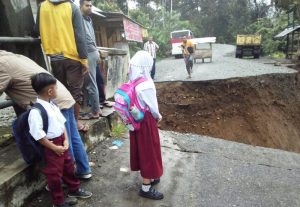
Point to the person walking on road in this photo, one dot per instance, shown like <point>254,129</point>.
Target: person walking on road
<point>188,50</point>
<point>90,81</point>
<point>145,150</point>
<point>60,26</point>
<point>151,47</point>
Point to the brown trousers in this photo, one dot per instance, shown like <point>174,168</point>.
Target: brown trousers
<point>69,73</point>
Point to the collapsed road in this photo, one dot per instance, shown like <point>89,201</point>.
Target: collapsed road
<point>253,105</point>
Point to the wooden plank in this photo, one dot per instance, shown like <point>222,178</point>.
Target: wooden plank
<point>114,20</point>
<point>104,42</point>
<point>118,34</point>
<point>98,38</point>
<point>114,37</point>
<point>110,41</point>
<point>111,24</point>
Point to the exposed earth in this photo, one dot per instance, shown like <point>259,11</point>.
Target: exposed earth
<point>243,100</point>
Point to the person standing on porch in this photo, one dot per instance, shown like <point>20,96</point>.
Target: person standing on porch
<point>90,81</point>
<point>60,26</point>
<point>151,47</point>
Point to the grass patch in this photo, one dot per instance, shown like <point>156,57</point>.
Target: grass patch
<point>118,130</point>
<point>278,55</point>
<point>5,136</point>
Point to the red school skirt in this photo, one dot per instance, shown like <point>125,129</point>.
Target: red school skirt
<point>145,152</point>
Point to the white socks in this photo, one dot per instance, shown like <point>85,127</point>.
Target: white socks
<point>146,187</point>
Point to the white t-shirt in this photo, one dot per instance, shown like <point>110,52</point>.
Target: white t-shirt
<point>151,48</point>
<point>56,121</point>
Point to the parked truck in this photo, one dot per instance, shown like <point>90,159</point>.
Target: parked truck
<point>248,45</point>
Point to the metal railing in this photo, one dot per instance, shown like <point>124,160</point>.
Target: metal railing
<point>22,40</point>
<point>6,104</point>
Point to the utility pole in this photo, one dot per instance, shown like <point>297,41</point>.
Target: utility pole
<point>163,3</point>
<point>171,7</point>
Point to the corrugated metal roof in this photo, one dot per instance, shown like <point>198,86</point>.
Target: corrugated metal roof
<point>119,14</point>
<point>287,31</point>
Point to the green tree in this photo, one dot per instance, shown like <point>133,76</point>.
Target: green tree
<point>159,23</point>
<point>221,18</point>
<point>285,5</point>
<point>108,6</point>
<point>112,5</point>
<point>268,28</point>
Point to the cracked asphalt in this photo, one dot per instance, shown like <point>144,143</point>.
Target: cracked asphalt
<point>198,172</point>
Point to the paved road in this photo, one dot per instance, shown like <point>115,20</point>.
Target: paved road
<point>198,172</point>
<point>223,66</point>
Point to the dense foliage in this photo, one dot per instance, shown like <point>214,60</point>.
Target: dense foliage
<point>221,18</point>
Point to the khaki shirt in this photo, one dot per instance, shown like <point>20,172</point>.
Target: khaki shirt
<point>15,73</point>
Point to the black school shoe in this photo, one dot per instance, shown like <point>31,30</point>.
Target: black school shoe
<point>155,182</point>
<point>151,194</point>
<point>80,194</point>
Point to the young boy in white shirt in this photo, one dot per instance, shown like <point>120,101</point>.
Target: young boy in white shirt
<point>59,164</point>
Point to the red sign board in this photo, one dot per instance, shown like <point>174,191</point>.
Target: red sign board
<point>133,32</point>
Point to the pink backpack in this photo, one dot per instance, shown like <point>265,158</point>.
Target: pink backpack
<point>127,105</point>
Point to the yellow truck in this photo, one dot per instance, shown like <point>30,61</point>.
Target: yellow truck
<point>248,45</point>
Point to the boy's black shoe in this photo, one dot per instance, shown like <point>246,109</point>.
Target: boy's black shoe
<point>151,194</point>
<point>87,176</point>
<point>80,194</point>
<point>63,205</point>
<point>155,182</point>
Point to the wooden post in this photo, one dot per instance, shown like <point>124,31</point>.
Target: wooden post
<point>287,46</point>
<point>103,37</point>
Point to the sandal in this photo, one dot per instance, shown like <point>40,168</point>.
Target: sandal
<point>88,116</point>
<point>83,128</point>
<point>108,104</point>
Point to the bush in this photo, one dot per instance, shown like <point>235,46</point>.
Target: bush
<point>268,28</point>
<point>159,23</point>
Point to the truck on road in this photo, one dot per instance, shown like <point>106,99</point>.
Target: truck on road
<point>248,45</point>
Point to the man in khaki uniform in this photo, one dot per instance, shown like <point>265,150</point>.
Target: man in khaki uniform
<point>15,73</point>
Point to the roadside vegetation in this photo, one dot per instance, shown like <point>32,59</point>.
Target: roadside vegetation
<point>223,19</point>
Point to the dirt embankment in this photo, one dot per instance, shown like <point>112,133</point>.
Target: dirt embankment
<point>262,111</point>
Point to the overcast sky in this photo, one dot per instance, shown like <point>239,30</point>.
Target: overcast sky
<point>131,4</point>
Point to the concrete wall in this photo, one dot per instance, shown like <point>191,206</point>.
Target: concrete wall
<point>117,73</point>
<point>116,68</point>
